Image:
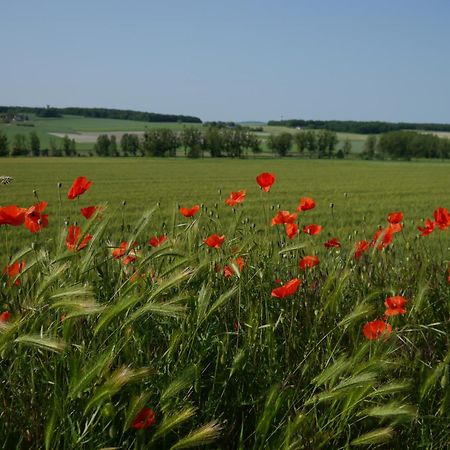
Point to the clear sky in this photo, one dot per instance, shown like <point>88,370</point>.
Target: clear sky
<point>231,60</point>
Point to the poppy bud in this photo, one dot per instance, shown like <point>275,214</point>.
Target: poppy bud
<point>331,205</point>
<point>35,192</point>
<point>216,205</point>
<point>59,185</point>
<point>124,203</point>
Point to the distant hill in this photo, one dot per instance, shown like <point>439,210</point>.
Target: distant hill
<point>361,127</point>
<point>104,113</point>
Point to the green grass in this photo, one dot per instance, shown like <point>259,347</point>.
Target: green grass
<point>222,363</point>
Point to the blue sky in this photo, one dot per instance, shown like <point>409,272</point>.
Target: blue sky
<point>231,60</point>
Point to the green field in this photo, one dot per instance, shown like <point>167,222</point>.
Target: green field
<point>215,356</point>
<point>362,192</point>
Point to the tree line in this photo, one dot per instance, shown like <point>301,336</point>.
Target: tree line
<point>104,113</point>
<point>360,127</point>
<point>406,145</point>
<point>234,142</point>
<point>30,145</point>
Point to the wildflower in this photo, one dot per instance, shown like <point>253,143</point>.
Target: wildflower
<point>428,228</point>
<point>190,212</point>
<point>12,215</point>
<point>235,197</point>
<point>395,305</point>
<point>309,262</point>
<point>376,329</point>
<point>306,204</point>
<point>312,229</point>
<point>145,418</point>
<point>89,211</point>
<point>73,237</point>
<point>332,243</point>
<point>214,241</point>
<point>4,316</point>
<point>382,238</point>
<point>289,288</point>
<point>121,251</point>
<point>265,180</point>
<point>360,248</point>
<point>34,220</point>
<point>228,271</point>
<point>155,240</point>
<point>283,217</point>
<point>442,218</point>
<point>79,187</point>
<point>395,217</point>
<point>291,230</point>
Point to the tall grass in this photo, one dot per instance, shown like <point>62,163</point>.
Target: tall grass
<point>91,341</point>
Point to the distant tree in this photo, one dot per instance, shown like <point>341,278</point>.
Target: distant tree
<point>55,149</point>
<point>322,143</point>
<point>311,143</point>
<point>212,141</point>
<point>280,143</point>
<point>370,147</point>
<point>159,142</point>
<point>44,151</point>
<point>332,141</point>
<point>254,143</point>
<point>347,148</point>
<point>113,146</point>
<point>67,146</point>
<point>35,144</point>
<point>4,148</point>
<point>301,141</point>
<point>129,144</point>
<point>19,146</point>
<point>103,145</point>
<point>192,141</point>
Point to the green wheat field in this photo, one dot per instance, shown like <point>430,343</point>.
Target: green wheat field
<point>94,335</point>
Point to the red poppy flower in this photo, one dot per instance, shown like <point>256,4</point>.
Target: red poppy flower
<point>395,217</point>
<point>73,237</point>
<point>283,217</point>
<point>190,212</point>
<point>89,211</point>
<point>383,237</point>
<point>332,243</point>
<point>120,251</point>
<point>395,305</point>
<point>428,228</point>
<point>235,197</point>
<point>34,220</point>
<point>291,230</point>
<point>12,215</point>
<point>228,271</point>
<point>4,316</point>
<point>309,262</point>
<point>376,329</point>
<point>448,276</point>
<point>13,270</point>
<point>265,180</point>
<point>155,240</point>
<point>306,203</point>
<point>360,248</point>
<point>79,187</point>
<point>395,227</point>
<point>214,241</point>
<point>312,229</point>
<point>442,218</point>
<point>289,288</point>
<point>145,418</point>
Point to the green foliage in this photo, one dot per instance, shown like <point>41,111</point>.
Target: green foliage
<point>159,142</point>
<point>280,143</point>
<point>35,144</point>
<point>19,146</point>
<point>4,149</point>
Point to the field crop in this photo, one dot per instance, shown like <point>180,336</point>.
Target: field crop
<point>145,328</point>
